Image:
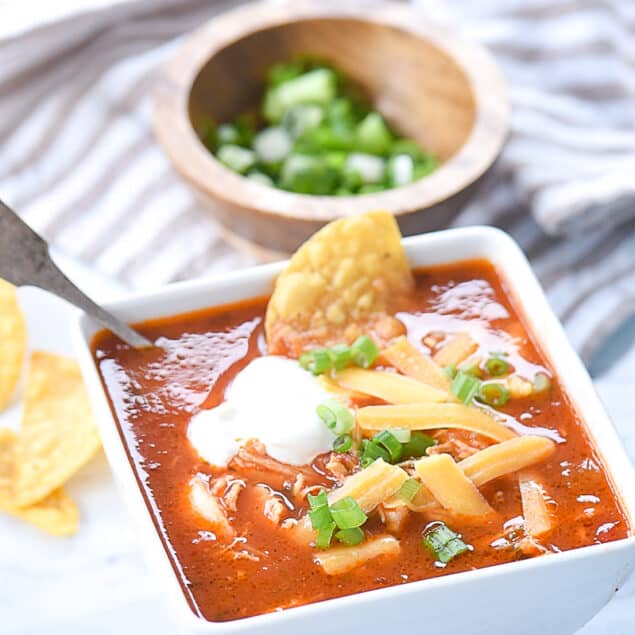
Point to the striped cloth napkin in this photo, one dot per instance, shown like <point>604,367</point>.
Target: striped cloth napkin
<point>78,158</point>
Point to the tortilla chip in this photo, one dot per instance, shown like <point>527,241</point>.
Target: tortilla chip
<point>58,432</point>
<point>56,514</point>
<point>340,281</point>
<point>12,342</point>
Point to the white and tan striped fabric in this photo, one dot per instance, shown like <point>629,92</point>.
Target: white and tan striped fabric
<point>79,161</point>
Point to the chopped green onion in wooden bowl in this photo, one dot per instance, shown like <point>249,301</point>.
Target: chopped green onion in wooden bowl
<point>315,134</point>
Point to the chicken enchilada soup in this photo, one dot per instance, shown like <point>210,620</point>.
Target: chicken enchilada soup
<point>368,425</point>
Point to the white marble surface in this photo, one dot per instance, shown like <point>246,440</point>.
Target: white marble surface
<point>97,583</point>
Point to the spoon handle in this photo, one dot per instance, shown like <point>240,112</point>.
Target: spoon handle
<point>25,260</point>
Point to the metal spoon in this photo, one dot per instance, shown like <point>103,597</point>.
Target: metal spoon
<point>25,260</point>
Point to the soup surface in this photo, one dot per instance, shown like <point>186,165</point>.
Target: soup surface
<point>258,561</point>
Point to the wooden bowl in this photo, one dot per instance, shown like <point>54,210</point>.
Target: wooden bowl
<point>428,82</point>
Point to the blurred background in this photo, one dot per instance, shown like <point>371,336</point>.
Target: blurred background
<point>80,163</point>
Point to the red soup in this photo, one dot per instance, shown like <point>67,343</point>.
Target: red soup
<point>455,449</point>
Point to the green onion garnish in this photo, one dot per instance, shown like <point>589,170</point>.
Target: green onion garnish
<point>471,368</point>
<point>450,370</point>
<point>347,514</point>
<point>237,158</point>
<point>319,135</point>
<point>542,382</point>
<point>340,355</point>
<point>324,536</point>
<point>444,543</point>
<point>317,500</point>
<point>418,445</point>
<point>388,440</point>
<point>317,361</point>
<point>496,366</point>
<point>343,443</point>
<point>350,536</point>
<point>370,452</point>
<point>344,515</point>
<point>402,435</point>
<point>409,489</point>
<point>336,416</point>
<point>465,387</point>
<point>319,514</point>
<point>320,517</point>
<point>493,394</point>
<point>364,351</point>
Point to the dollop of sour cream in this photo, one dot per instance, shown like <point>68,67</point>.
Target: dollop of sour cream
<point>273,400</point>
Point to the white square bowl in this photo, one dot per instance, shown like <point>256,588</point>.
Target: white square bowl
<point>554,594</point>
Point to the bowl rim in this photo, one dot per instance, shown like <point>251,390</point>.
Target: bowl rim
<point>495,245</point>
<point>175,133</point>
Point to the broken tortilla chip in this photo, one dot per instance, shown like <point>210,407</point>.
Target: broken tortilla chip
<point>55,514</point>
<point>338,283</point>
<point>58,434</point>
<point>12,342</point>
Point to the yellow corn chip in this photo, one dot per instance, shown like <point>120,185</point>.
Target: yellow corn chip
<point>338,282</point>
<point>58,432</point>
<point>55,514</point>
<point>12,342</point>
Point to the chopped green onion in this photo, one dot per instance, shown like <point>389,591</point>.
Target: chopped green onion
<point>496,366</point>
<point>280,73</point>
<point>317,361</point>
<point>390,442</point>
<point>444,543</point>
<point>260,177</point>
<point>370,452</point>
<point>400,170</point>
<point>325,535</point>
<point>320,517</point>
<point>418,445</point>
<point>336,416</point>
<point>542,382</point>
<point>227,134</point>
<point>373,135</point>
<point>318,86</point>
<point>409,489</point>
<point>409,147</point>
<point>317,140</point>
<point>347,514</point>
<point>236,158</point>
<point>343,443</point>
<point>300,119</point>
<point>465,387</point>
<point>371,188</point>
<point>370,168</point>
<point>403,435</point>
<point>493,394</point>
<point>364,351</point>
<point>350,537</point>
<point>340,355</point>
<point>246,125</point>
<point>450,370</point>
<point>272,145</point>
<point>304,174</point>
<point>317,500</point>
<point>340,114</point>
<point>471,368</point>
<point>316,134</point>
<point>320,514</point>
<point>424,167</point>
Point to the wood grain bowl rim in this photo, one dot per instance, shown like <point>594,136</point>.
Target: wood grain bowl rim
<point>174,131</point>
